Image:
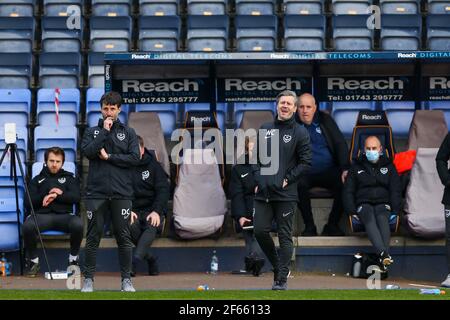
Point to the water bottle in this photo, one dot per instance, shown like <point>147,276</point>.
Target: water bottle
<point>214,263</point>
<point>432,291</point>
<point>8,268</point>
<point>3,265</point>
<point>392,287</point>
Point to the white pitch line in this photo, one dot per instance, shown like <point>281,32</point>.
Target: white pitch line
<point>421,285</point>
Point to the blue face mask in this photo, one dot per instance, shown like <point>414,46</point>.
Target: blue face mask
<point>372,155</point>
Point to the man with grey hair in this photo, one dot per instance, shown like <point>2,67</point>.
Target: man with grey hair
<point>276,194</point>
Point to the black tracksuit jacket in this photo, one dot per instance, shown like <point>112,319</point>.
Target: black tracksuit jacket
<point>442,158</point>
<point>295,159</point>
<point>40,186</point>
<point>333,136</point>
<point>242,190</point>
<point>151,187</point>
<point>110,179</point>
<point>370,183</point>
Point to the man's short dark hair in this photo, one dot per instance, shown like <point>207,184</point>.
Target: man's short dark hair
<point>56,151</point>
<point>111,98</point>
<point>141,141</point>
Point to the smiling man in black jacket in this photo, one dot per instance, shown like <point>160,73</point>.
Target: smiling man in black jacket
<point>372,191</point>
<point>112,149</point>
<point>151,195</point>
<point>330,163</point>
<point>276,192</point>
<point>53,192</point>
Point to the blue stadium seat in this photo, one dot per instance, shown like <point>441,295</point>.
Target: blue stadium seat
<point>351,7</point>
<point>400,32</point>
<point>96,70</point>
<point>400,6</point>
<point>221,111</point>
<point>111,8</point>
<point>207,8</point>
<point>439,105</point>
<point>93,113</point>
<point>110,34</point>
<point>59,70</point>
<point>9,236</point>
<point>15,70</point>
<point>346,113</point>
<point>159,33</point>
<point>350,33</point>
<point>56,37</point>
<point>22,142</point>
<point>7,189</point>
<point>16,34</point>
<point>255,7</point>
<point>240,107</point>
<point>158,7</point>
<point>399,114</point>
<point>438,32</point>
<point>17,8</point>
<point>438,6</point>
<point>207,33</point>
<point>15,106</point>
<point>8,209</point>
<point>304,33</point>
<point>167,113</point>
<point>62,8</point>
<point>65,137</point>
<point>295,7</point>
<point>256,33</point>
<point>69,107</point>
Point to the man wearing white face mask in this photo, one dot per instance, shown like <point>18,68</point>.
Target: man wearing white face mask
<point>372,191</point>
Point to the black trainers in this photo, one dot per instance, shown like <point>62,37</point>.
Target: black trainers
<point>385,259</point>
<point>279,285</point>
<point>332,230</point>
<point>310,231</point>
<point>249,262</point>
<point>133,269</point>
<point>257,266</point>
<point>33,269</point>
<point>153,269</point>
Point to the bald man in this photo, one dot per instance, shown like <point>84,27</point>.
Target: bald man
<point>330,163</point>
<point>372,192</point>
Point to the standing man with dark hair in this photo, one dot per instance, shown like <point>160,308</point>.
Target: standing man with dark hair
<point>53,193</point>
<point>276,194</point>
<point>112,149</point>
<point>151,195</point>
<point>442,158</point>
<point>330,164</point>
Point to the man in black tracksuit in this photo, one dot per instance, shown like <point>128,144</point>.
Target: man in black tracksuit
<point>372,191</point>
<point>276,196</point>
<point>151,195</point>
<point>112,149</point>
<point>442,158</point>
<point>330,163</point>
<point>242,193</point>
<point>53,193</point>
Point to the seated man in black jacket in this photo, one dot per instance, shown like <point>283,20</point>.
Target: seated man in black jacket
<point>53,192</point>
<point>242,193</point>
<point>372,191</point>
<point>330,163</point>
<point>151,195</point>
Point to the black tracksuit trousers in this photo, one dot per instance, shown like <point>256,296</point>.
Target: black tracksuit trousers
<point>120,211</point>
<point>64,222</point>
<point>142,235</point>
<point>283,213</point>
<point>376,221</point>
<point>447,234</point>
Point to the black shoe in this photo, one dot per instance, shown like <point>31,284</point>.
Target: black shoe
<point>385,260</point>
<point>310,231</point>
<point>249,263</point>
<point>33,269</point>
<point>133,269</point>
<point>279,285</point>
<point>153,269</point>
<point>332,230</point>
<point>257,266</point>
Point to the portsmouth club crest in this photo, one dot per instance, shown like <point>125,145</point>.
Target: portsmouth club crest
<point>287,138</point>
<point>121,136</point>
<point>384,170</point>
<point>62,180</point>
<point>145,175</point>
